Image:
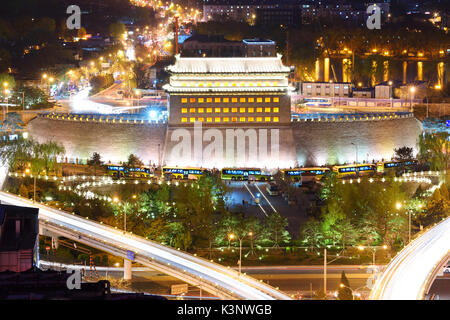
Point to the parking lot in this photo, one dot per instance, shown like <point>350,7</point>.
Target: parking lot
<point>243,197</point>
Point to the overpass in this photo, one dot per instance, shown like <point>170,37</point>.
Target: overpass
<point>214,278</point>
<point>411,273</point>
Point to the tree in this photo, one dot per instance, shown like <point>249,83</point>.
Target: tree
<point>433,149</point>
<point>15,153</point>
<point>117,29</point>
<point>23,191</point>
<point>276,228</point>
<point>49,152</point>
<point>6,78</point>
<point>345,292</point>
<point>23,153</point>
<point>403,153</point>
<point>95,161</point>
<point>13,122</point>
<point>134,161</point>
<point>311,233</point>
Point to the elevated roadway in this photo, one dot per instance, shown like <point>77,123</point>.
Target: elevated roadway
<point>410,274</point>
<point>218,280</point>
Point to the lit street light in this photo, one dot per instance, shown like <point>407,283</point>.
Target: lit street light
<point>117,201</point>
<point>412,90</point>
<point>354,292</point>
<point>373,249</point>
<point>231,236</point>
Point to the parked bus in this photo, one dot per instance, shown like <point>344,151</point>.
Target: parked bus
<point>241,174</point>
<point>183,173</point>
<point>396,166</point>
<point>354,170</point>
<point>318,102</point>
<point>120,171</point>
<point>296,173</point>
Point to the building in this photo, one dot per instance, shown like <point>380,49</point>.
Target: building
<point>240,10</point>
<point>269,12</point>
<point>366,93</point>
<point>326,89</point>
<point>352,12</point>
<point>241,105</point>
<point>201,45</point>
<point>234,91</point>
<point>19,230</point>
<point>259,48</point>
<point>279,14</point>
<point>384,91</point>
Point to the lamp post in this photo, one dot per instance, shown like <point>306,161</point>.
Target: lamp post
<point>356,152</point>
<point>373,249</point>
<point>398,206</point>
<point>344,286</point>
<point>7,101</point>
<point>231,236</point>
<point>412,90</point>
<point>325,272</point>
<point>117,201</point>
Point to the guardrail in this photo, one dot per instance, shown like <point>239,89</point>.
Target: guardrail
<point>349,117</point>
<point>220,280</point>
<point>98,118</point>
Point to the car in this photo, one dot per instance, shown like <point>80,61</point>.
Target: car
<point>272,189</point>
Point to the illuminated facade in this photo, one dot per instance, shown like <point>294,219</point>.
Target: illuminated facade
<point>228,91</point>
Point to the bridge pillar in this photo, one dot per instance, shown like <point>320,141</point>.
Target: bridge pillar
<point>127,269</point>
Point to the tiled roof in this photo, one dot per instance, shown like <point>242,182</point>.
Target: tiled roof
<point>228,65</point>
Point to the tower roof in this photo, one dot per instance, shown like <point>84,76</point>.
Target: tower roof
<point>228,65</point>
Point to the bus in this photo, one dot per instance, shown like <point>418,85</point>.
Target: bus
<point>296,173</point>
<point>183,173</point>
<point>317,102</point>
<point>120,171</point>
<point>364,169</point>
<point>241,174</point>
<point>396,166</point>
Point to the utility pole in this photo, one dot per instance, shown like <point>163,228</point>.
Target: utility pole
<point>240,255</point>
<point>176,34</point>
<point>409,226</point>
<point>124,220</point>
<point>325,271</point>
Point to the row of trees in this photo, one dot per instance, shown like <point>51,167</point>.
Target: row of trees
<point>21,153</point>
<point>194,216</point>
<point>371,213</point>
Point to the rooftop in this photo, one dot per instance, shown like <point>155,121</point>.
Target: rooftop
<point>228,65</point>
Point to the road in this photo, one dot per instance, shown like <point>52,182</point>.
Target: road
<point>215,278</point>
<point>290,279</point>
<point>409,275</point>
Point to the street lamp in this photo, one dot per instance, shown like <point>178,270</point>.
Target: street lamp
<point>412,90</point>
<point>373,249</point>
<point>356,151</point>
<point>117,201</point>
<point>7,91</point>
<point>231,236</point>
<point>353,294</point>
<point>398,205</point>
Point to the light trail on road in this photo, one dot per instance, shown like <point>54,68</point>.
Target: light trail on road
<point>197,271</point>
<point>407,276</point>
